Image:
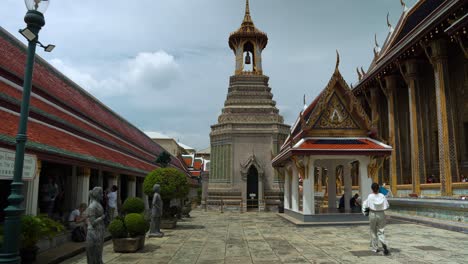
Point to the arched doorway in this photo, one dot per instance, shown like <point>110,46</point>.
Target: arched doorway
<point>252,188</point>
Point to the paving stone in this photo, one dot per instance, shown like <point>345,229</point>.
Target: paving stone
<point>211,238</point>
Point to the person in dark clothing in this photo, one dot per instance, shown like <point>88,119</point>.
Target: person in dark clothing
<point>342,204</point>
<point>354,203</point>
<point>105,206</point>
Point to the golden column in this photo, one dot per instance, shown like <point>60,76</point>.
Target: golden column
<point>391,82</point>
<point>448,164</point>
<point>410,71</point>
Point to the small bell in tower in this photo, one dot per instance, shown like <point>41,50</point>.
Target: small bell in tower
<point>247,58</point>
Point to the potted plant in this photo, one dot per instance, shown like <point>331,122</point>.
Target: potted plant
<point>174,185</point>
<point>128,233</point>
<point>34,228</point>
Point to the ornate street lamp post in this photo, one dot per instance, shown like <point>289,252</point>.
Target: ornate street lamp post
<point>35,21</point>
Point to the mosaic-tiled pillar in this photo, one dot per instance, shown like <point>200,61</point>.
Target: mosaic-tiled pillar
<point>391,83</point>
<point>448,164</point>
<point>411,73</point>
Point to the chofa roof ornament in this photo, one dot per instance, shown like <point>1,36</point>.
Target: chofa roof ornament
<point>377,46</point>
<point>403,4</point>
<point>337,61</point>
<point>390,27</point>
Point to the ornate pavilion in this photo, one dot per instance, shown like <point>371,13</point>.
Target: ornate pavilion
<point>330,134</point>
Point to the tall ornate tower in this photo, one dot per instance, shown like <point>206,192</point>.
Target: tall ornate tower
<point>250,130</point>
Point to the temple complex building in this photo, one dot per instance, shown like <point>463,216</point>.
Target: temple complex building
<point>74,140</point>
<point>249,131</point>
<point>416,95</point>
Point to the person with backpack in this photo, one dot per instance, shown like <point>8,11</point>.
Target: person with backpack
<point>374,206</point>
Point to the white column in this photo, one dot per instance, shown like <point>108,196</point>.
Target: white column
<point>287,189</point>
<point>308,200</point>
<point>32,192</point>
<point>261,201</point>
<point>113,180</point>
<point>364,181</point>
<point>75,199</point>
<point>348,188</point>
<point>100,179</point>
<point>295,190</point>
<point>131,188</point>
<point>332,185</point>
<point>319,180</point>
<point>83,185</point>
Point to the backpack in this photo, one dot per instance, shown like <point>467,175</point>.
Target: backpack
<point>78,234</point>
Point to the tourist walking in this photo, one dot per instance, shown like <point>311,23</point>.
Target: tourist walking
<point>375,206</point>
<point>112,202</point>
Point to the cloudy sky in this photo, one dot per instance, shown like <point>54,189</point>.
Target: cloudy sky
<point>165,65</point>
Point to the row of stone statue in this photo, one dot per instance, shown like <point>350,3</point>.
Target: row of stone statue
<point>96,224</point>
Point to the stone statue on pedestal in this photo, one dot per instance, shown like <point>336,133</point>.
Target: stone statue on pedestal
<point>96,228</point>
<point>156,213</point>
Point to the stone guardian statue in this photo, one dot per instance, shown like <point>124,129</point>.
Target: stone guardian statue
<point>156,213</point>
<point>96,227</point>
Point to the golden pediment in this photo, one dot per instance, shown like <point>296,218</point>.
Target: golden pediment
<point>335,115</point>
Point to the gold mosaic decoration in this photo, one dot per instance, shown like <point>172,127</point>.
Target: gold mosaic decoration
<point>336,116</point>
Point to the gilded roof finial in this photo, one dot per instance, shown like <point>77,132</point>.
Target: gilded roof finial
<point>403,4</point>
<point>247,18</point>
<point>358,73</point>
<point>388,24</point>
<point>363,72</point>
<point>337,60</point>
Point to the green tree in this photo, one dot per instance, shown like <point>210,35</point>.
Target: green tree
<point>173,184</point>
<point>163,159</point>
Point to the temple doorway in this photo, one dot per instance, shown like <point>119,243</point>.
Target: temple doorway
<point>252,188</point>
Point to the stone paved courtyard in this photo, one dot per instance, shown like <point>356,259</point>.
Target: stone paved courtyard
<point>211,238</point>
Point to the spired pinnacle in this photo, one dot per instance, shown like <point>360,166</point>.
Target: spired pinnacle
<point>247,18</point>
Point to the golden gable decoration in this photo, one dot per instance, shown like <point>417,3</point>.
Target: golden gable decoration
<point>337,111</point>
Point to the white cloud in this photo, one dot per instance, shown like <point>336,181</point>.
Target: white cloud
<point>155,71</point>
<point>182,87</point>
<point>146,72</point>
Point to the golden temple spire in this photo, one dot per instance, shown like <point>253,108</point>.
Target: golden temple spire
<point>247,18</point>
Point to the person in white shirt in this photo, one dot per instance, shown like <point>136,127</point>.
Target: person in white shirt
<point>112,201</point>
<point>77,218</point>
<point>375,206</point>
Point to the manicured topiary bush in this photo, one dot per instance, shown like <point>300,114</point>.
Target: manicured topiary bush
<point>173,183</point>
<point>136,224</point>
<point>117,229</point>
<point>133,205</point>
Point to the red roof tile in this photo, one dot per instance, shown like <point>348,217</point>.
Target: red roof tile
<point>340,144</point>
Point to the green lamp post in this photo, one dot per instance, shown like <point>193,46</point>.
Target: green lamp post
<point>12,226</point>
